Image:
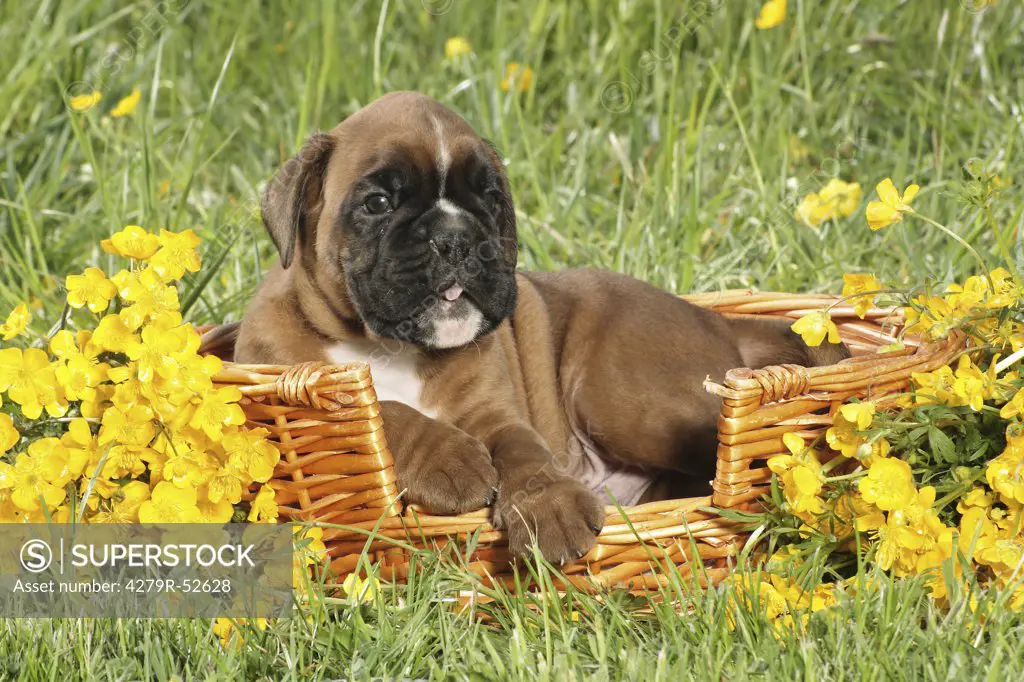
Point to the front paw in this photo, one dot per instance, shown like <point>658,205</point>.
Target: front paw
<point>562,519</point>
<point>454,478</point>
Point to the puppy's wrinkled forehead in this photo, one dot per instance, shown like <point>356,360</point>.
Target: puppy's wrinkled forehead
<point>404,129</point>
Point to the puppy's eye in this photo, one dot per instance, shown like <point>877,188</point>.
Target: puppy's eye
<point>377,204</point>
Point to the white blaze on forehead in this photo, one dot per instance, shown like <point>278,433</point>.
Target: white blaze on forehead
<point>448,207</point>
<point>442,155</point>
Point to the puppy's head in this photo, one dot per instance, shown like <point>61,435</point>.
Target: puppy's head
<point>402,218</point>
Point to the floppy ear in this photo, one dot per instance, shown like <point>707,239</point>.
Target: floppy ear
<point>509,235</point>
<point>295,194</point>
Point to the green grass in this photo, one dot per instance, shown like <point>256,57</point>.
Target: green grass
<point>691,186</point>
<point>894,633</point>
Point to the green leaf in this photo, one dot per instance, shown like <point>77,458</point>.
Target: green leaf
<point>941,446</point>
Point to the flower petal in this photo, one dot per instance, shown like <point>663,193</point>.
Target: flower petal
<point>887,192</point>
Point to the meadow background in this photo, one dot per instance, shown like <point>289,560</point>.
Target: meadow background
<point>669,140</point>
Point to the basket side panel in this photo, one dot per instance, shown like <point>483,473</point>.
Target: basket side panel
<point>335,463</point>
<point>760,406</point>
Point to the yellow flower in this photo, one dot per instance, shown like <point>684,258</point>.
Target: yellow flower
<point>361,590</point>
<point>219,408</point>
<point>127,105</point>
<point>889,484</point>
<point>812,211</point>
<point>112,334</point>
<point>1002,554</point>
<point>456,47</point>
<point>29,380</point>
<point>151,298</point>
<point>892,206</point>
<point>115,513</point>
<point>930,315</point>
<point>220,511</point>
<point>842,198</point>
<point>859,414</point>
<point>836,199</point>
<point>866,515</point>
<point>794,443</point>
<point>1006,289</point>
<point>914,539</point>
<point>935,388</point>
<point>86,101</point>
<point>263,508</point>
<point>94,489</point>
<point>517,77</point>
<point>91,288</point>
<point>968,385</point>
<point>8,512</point>
<point>33,479</point>
<point>972,386</point>
<point>974,523</point>
<point>79,437</point>
<point>177,254</point>
<point>225,628</point>
<point>978,497</point>
<point>124,460</point>
<point>814,327</point>
<point>78,368</point>
<point>170,504</point>
<point>772,14</point>
<point>1005,474</point>
<point>844,434</point>
<point>131,242</point>
<point>62,465</point>
<point>249,451</point>
<point>154,355</point>
<point>226,484</point>
<point>9,435</point>
<point>861,289</point>
<point>16,322</point>
<point>131,495</point>
<point>182,468</point>
<point>746,595</point>
<point>1014,407</point>
<point>800,474</point>
<point>132,427</point>
<point>309,545</point>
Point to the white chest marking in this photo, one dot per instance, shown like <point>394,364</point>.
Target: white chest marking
<point>394,367</point>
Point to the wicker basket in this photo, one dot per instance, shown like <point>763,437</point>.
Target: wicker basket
<point>336,467</point>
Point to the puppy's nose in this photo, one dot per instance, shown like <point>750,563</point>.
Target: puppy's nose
<point>449,244</point>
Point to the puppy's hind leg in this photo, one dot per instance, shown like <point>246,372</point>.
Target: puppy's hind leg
<point>770,341</point>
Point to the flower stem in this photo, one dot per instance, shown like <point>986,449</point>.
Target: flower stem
<point>859,473</point>
<point>1009,360</point>
<point>833,463</point>
<point>848,297</point>
<point>1004,250</point>
<point>959,240</point>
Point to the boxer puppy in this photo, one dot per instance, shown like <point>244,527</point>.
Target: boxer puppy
<point>534,392</point>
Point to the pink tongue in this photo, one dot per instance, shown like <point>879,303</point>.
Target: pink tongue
<point>453,292</point>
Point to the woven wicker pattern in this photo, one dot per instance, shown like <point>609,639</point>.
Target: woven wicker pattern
<point>760,406</point>
<point>336,467</point>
